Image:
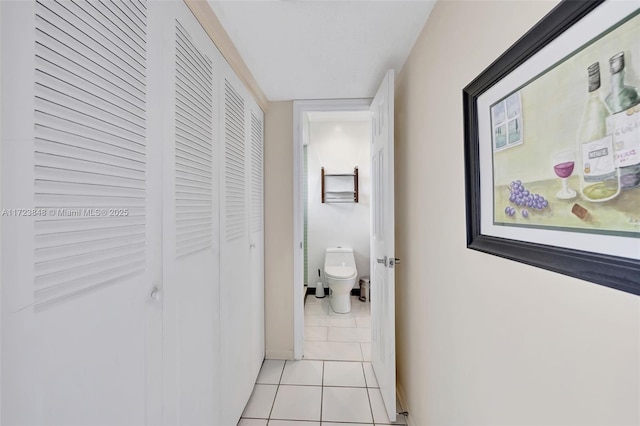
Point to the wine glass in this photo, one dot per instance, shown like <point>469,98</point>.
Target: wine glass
<point>563,164</point>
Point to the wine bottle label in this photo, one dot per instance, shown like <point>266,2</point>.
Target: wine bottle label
<point>625,128</point>
<point>597,159</point>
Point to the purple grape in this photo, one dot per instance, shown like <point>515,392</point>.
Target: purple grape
<point>526,193</point>
<point>512,211</point>
<point>525,213</point>
<point>512,198</point>
<point>545,203</point>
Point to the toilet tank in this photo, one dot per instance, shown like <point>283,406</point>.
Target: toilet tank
<point>339,256</point>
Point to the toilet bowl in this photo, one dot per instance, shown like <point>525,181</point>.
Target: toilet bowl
<point>341,274</point>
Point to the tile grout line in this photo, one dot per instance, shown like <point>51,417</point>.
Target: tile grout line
<point>273,404</point>
<point>321,392</point>
<point>373,420</point>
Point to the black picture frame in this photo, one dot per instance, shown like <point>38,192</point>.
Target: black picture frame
<point>607,270</point>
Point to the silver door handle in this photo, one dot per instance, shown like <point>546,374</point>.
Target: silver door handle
<point>393,261</point>
<point>383,261</point>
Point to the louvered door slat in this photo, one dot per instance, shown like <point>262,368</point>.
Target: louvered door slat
<point>63,34</point>
<point>256,172</point>
<point>57,253</point>
<point>92,38</point>
<point>76,74</point>
<point>88,12</point>
<point>112,11</point>
<point>68,145</point>
<point>102,13</point>
<point>78,88</point>
<point>188,109</point>
<point>47,43</point>
<point>193,153</point>
<point>50,120</point>
<point>235,204</point>
<point>193,66</point>
<point>90,147</point>
<point>193,146</point>
<point>92,108</point>
<point>140,6</point>
<point>204,64</point>
<point>134,14</point>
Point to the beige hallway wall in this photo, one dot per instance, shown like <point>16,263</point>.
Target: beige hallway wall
<point>278,238</point>
<point>483,340</point>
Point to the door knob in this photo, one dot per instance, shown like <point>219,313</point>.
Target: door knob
<point>383,261</point>
<point>156,294</point>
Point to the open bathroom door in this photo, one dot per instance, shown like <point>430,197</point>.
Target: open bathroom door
<point>383,349</point>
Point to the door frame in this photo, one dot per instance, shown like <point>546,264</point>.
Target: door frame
<point>300,138</point>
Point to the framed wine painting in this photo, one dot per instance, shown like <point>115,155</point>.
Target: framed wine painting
<point>552,146</point>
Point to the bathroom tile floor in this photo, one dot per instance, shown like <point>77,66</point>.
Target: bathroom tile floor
<point>330,336</point>
<point>333,385</point>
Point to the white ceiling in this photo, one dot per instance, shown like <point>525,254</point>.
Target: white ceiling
<point>322,49</point>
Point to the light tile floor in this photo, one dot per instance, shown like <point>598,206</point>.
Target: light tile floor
<point>334,384</point>
<point>316,393</point>
<point>337,337</point>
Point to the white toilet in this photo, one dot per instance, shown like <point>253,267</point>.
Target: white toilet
<point>341,274</point>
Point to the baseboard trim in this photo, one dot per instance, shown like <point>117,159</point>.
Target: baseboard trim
<point>402,398</point>
<point>286,355</point>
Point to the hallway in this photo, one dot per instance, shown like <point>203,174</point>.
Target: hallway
<point>334,384</point>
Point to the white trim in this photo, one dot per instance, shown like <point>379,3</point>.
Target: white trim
<point>402,399</point>
<point>300,108</point>
<point>287,355</point>
<point>1,205</point>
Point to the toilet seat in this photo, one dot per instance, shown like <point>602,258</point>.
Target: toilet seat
<point>339,272</point>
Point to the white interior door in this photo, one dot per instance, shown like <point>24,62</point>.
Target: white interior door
<point>81,241</point>
<point>256,234</point>
<point>235,288</point>
<point>190,219</point>
<point>383,348</point>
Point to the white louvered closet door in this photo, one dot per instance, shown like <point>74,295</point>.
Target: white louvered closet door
<point>190,143</point>
<point>80,251</point>
<point>256,230</point>
<point>237,368</point>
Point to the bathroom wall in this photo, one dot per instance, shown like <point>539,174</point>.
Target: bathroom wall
<point>338,146</point>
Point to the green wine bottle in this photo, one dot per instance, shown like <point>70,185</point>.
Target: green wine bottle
<point>599,177</point>
<point>624,124</point>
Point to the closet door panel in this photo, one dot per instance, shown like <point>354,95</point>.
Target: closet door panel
<point>256,231</point>
<point>237,369</point>
<point>190,220</point>
<point>81,252</point>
